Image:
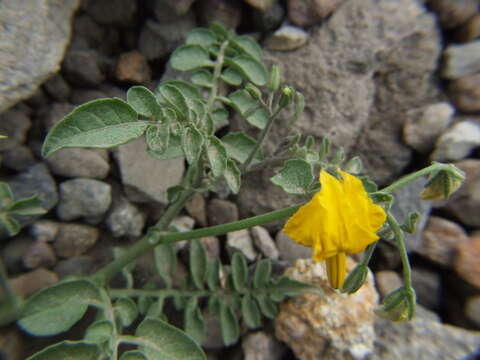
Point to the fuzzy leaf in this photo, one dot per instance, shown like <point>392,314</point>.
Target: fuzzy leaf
<point>229,325</point>
<point>288,287</point>
<point>217,156</point>
<point>213,274</point>
<point>99,332</point>
<point>174,98</point>
<point>243,102</point>
<point>190,57</point>
<point>74,350</point>
<point>198,263</point>
<point>157,138</point>
<point>133,355</point>
<point>249,67</point>
<point>239,145</point>
<point>248,46</point>
<point>166,262</point>
<point>259,118</point>
<point>192,143</point>
<point>250,312</point>
<point>262,273</point>
<point>194,323</point>
<point>144,102</point>
<point>174,149</point>
<point>57,308</point>
<point>232,176</point>
<point>295,177</point>
<point>126,311</point>
<point>231,76</point>
<point>213,306</point>
<point>239,271</point>
<point>201,36</point>
<point>103,123</point>
<point>267,306</point>
<point>6,195</point>
<point>202,78</point>
<point>11,225</point>
<point>161,341</point>
<point>26,207</point>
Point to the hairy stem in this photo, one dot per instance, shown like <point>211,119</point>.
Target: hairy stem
<point>400,240</point>
<point>407,179</point>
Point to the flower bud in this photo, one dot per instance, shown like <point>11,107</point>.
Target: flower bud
<point>275,77</point>
<point>354,166</point>
<point>443,183</point>
<point>398,305</point>
<point>355,279</point>
<point>253,91</point>
<point>286,97</point>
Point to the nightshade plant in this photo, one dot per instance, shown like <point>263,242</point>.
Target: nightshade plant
<point>181,119</point>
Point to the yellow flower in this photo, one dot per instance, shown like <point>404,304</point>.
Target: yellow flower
<point>340,219</point>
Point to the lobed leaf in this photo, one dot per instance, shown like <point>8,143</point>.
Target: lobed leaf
<point>231,76</point>
<point>26,207</point>
<point>174,149</point>
<point>194,324</point>
<point>248,46</point>
<point>259,118</point>
<point>250,312</point>
<point>217,156</point>
<point>201,36</point>
<point>190,57</point>
<point>166,262</point>
<point>157,138</point>
<point>198,263</point>
<point>262,273</point>
<point>74,350</point>
<point>99,332</point>
<point>125,310</point>
<point>202,78</point>
<point>144,102</point>
<point>249,67</point>
<point>102,123</point>
<point>295,177</point>
<point>232,176</point>
<point>239,145</point>
<point>229,325</point>
<point>192,143</point>
<point>239,271</point>
<point>243,102</point>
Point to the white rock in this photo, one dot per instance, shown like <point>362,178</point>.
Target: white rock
<point>457,142</point>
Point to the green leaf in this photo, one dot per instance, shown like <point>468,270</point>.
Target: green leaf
<point>201,36</point>
<point>161,341</point>
<point>288,287</point>
<point>232,176</point>
<point>99,332</point>
<point>220,117</point>
<point>259,118</point>
<point>267,306</point>
<point>6,195</point>
<point>157,138</point>
<point>174,98</point>
<point>248,46</point>
<point>102,123</point>
<point>220,31</point>
<point>156,309</point>
<point>217,156</point>
<point>174,149</point>
<point>192,143</point>
<point>213,306</point>
<point>194,323</point>
<point>239,271</point>
<point>74,350</point>
<point>11,225</point>
<point>239,145</point>
<point>249,67</point>
<point>295,177</point>
<point>213,274</point>
<point>144,102</point>
<point>198,263</point>
<point>190,57</point>
<point>250,312</point>
<point>127,269</point>
<point>133,355</point>
<point>188,90</point>
<point>229,325</point>
<point>202,78</point>
<point>173,193</point>
<point>166,262</point>
<point>126,311</point>
<point>26,207</point>
<point>57,308</point>
<point>243,102</point>
<point>262,273</point>
<point>231,76</point>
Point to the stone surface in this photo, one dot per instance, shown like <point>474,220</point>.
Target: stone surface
<point>262,346</point>
<point>227,12</point>
<point>44,230</point>
<point>39,254</point>
<point>387,281</point>
<point>423,339</point>
<point>470,30</point>
<point>440,240</point>
<point>457,142</point>
<point>83,198</point>
<point>14,124</point>
<point>211,245</point>
<point>310,12</point>
<point>125,219</point>
<point>133,67</point>
<point>461,60</point>
<point>55,113</point>
<point>36,180</point>
<point>196,209</point>
<point>264,242</point>
<point>241,241</point>
<point>332,326</point>
<point>424,125</point>
<point>428,287</point>
<point>163,9</point>
<point>359,72</point>
<point>12,344</point>
<point>465,202</point>
<point>465,93</point>
<point>472,310</point>
<point>82,68</point>
<point>452,13</point>
<point>32,281</point>
<point>81,265</point>
<point>19,158</point>
<point>57,88</point>
<point>286,38</point>
<point>135,163</point>
<point>75,239</point>
<point>290,250</point>
<point>271,19</point>
<point>263,5</point>
<point>466,262</point>
<point>12,253</point>
<point>28,58</point>
<point>77,162</point>
<point>111,12</point>
<point>221,212</point>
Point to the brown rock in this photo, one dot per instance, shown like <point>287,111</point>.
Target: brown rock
<point>212,246</point>
<point>310,12</point>
<point>40,254</point>
<point>229,13</point>
<point>12,344</point>
<point>78,162</point>
<point>472,310</point>
<point>329,326</point>
<point>470,30</point>
<point>262,346</point>
<point>75,239</point>
<point>196,209</point>
<point>45,230</point>
<point>387,281</point>
<point>133,67</point>
<point>263,5</point>
<point>440,240</point>
<point>221,212</point>
<point>28,283</point>
<point>465,93</point>
<point>453,13</point>
<point>467,263</point>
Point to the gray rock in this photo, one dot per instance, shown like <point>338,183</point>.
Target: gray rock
<point>44,230</point>
<point>457,142</point>
<point>81,265</point>
<point>167,10</point>
<point>290,250</point>
<point>12,253</point>
<point>422,339</point>
<point>135,164</point>
<point>77,162</point>
<point>286,38</point>
<point>427,285</point>
<point>83,198</point>
<point>472,310</point>
<point>310,12</point>
<point>461,60</point>
<point>423,126</point>
<point>262,346</point>
<point>221,212</point>
<point>241,241</point>
<point>14,124</point>
<point>19,158</point>
<point>28,58</point>
<point>39,254</point>
<point>271,19</point>
<point>407,200</point>
<point>111,12</point>
<point>125,219</point>
<point>57,88</point>
<point>36,180</point>
<point>75,239</point>
<point>82,68</point>
<point>264,242</point>
<point>56,112</point>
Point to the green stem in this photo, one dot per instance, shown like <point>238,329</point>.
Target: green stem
<point>405,180</point>
<point>110,315</point>
<point>116,293</point>
<point>400,239</point>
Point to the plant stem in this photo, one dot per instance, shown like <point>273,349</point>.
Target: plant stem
<point>405,180</point>
<point>400,239</point>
